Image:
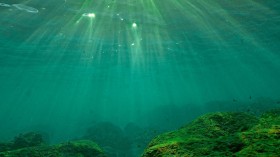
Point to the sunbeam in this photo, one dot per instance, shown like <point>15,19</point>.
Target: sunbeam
<point>68,64</point>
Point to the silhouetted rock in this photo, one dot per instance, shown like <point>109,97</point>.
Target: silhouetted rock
<point>139,137</point>
<point>111,138</point>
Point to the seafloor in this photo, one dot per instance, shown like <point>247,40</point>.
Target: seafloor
<point>212,134</point>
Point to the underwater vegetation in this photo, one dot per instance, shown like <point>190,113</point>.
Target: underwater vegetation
<point>32,145</point>
<point>29,139</point>
<point>99,139</point>
<point>222,134</point>
<point>212,134</point>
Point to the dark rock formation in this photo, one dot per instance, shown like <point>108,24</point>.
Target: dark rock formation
<point>111,138</point>
<point>32,145</point>
<point>29,139</point>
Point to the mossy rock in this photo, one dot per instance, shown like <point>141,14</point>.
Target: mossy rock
<point>6,146</point>
<point>264,138</point>
<point>214,125</point>
<point>211,125</point>
<point>82,148</point>
<point>221,134</point>
<point>29,139</point>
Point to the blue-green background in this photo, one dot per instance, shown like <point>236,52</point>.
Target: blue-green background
<point>60,71</point>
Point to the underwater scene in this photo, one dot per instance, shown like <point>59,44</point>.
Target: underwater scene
<point>139,78</point>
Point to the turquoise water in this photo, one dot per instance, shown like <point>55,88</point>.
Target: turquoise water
<point>66,64</point>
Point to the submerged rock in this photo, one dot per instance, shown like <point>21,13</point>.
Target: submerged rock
<point>29,139</point>
<point>6,146</point>
<point>82,148</point>
<point>31,144</point>
<point>111,138</point>
<point>264,138</point>
<point>221,134</point>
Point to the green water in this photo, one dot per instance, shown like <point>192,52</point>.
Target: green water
<point>65,65</point>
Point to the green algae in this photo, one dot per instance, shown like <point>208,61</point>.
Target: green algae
<point>221,134</point>
<point>82,148</point>
<point>29,139</point>
<point>264,138</point>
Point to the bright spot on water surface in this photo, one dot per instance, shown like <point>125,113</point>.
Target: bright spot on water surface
<point>134,25</point>
<point>21,7</point>
<point>25,8</point>
<point>91,15</point>
<point>4,5</point>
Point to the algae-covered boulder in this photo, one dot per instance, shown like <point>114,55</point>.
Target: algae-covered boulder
<point>5,146</point>
<point>264,138</point>
<point>82,148</point>
<point>221,134</point>
<point>29,139</point>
